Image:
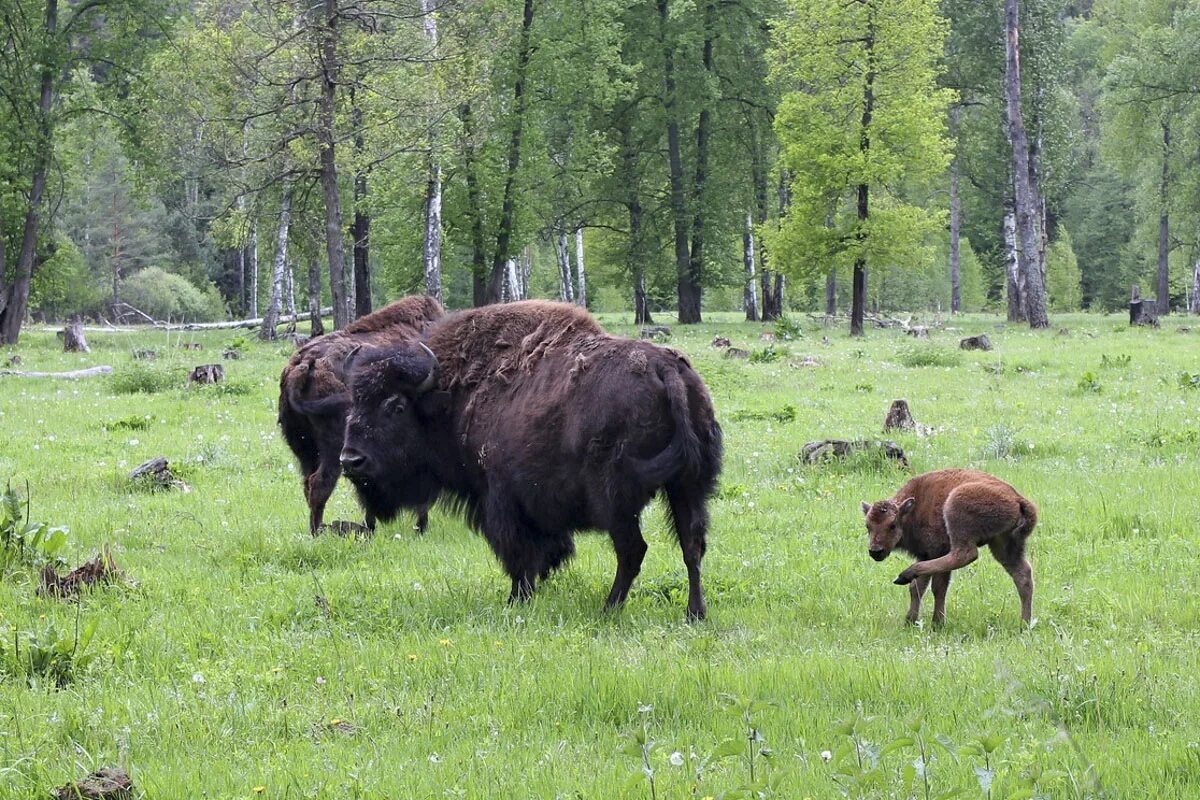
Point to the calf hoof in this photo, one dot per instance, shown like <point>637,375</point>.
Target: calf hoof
<point>912,619</point>
<point>904,579</point>
<point>697,613</point>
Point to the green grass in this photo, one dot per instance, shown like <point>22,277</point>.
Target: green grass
<point>225,667</point>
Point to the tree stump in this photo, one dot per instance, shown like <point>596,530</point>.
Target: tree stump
<point>655,332</point>
<point>231,354</point>
<point>736,352</point>
<point>980,342</point>
<point>207,373</point>
<point>101,569</point>
<point>917,332</point>
<point>1142,311</point>
<point>145,355</point>
<point>720,342</point>
<point>109,783</point>
<point>156,474</point>
<point>73,341</point>
<point>899,418</point>
<point>819,452</point>
<point>13,361</point>
<point>767,336</point>
<point>192,346</point>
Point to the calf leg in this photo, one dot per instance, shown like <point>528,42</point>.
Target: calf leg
<point>631,549</point>
<point>1010,552</point>
<point>962,554</point>
<point>691,526</point>
<point>941,584</point>
<point>319,488</point>
<point>916,590</point>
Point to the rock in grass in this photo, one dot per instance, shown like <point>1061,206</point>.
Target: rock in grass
<point>823,450</point>
<point>156,474</point>
<point>655,332</point>
<point>109,783</point>
<point>736,352</point>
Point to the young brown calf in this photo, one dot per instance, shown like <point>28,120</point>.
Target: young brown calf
<point>943,518</point>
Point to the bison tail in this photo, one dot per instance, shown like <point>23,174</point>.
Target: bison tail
<point>1029,518</point>
<point>683,458</point>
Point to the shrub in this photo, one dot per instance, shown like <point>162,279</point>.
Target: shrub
<point>141,377</point>
<point>164,295</point>
<point>24,543</point>
<point>928,357</point>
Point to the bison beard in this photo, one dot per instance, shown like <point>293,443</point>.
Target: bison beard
<point>540,424</point>
<point>313,398</point>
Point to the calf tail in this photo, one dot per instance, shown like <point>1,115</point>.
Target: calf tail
<point>1029,518</point>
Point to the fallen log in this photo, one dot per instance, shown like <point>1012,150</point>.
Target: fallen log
<point>90,372</point>
<point>242,323</point>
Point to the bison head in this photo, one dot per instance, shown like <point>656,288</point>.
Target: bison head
<point>386,450</point>
<point>885,525</point>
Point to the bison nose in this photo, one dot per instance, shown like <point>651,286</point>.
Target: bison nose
<point>878,555</point>
<point>352,461</point>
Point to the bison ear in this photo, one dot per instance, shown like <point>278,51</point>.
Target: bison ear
<point>434,404</point>
<point>866,507</point>
<point>906,506</point>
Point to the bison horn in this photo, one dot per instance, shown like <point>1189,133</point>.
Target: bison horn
<point>431,378</point>
<point>348,363</point>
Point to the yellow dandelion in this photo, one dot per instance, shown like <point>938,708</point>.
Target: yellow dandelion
<point>259,789</point>
<point>444,642</point>
<point>412,656</point>
<point>335,721</point>
<point>276,670</point>
<point>499,643</point>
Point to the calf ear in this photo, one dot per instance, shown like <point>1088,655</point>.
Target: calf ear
<point>906,506</point>
<point>434,404</point>
<point>866,507</point>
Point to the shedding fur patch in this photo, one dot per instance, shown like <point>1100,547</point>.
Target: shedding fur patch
<point>638,361</point>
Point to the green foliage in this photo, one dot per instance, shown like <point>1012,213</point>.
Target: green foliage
<point>929,356</point>
<point>782,415</point>
<point>166,296</point>
<point>1063,280</point>
<point>47,658</point>
<point>788,329</point>
<point>1089,382</point>
<point>25,543</point>
<point>1002,442</point>
<point>1115,362</point>
<point>767,355</point>
<point>825,67</point>
<point>142,377</point>
<point>1189,380</point>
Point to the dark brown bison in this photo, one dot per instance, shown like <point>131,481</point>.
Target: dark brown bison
<point>538,424</point>
<point>943,518</point>
<point>313,398</point>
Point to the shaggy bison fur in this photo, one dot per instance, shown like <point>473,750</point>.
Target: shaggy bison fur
<point>538,424</point>
<point>943,518</point>
<point>313,396</point>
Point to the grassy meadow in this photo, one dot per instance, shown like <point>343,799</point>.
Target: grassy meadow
<point>246,659</point>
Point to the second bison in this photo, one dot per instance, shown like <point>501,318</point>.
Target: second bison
<point>539,424</point>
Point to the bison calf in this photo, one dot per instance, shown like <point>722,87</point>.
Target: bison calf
<point>943,518</point>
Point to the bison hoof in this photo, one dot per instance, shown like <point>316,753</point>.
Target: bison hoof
<point>697,614</point>
<point>904,580</point>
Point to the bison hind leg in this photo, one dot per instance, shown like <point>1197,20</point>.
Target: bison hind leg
<point>689,513</point>
<point>630,548</point>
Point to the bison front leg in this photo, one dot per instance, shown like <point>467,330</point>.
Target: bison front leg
<point>916,590</point>
<point>691,526</point>
<point>960,556</point>
<point>512,545</point>
<point>319,488</point>
<point>631,549</point>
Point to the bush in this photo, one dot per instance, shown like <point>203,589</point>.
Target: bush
<point>141,377</point>
<point>928,357</point>
<point>164,295</point>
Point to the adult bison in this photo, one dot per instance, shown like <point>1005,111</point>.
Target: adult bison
<point>538,424</point>
<point>313,398</point>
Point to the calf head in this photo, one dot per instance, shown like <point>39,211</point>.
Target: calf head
<point>885,525</point>
<point>387,447</point>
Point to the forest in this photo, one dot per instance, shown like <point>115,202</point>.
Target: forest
<point>230,159</point>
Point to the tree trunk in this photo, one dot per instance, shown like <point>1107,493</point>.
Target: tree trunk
<point>241,280</point>
<point>335,246</point>
<point>1014,277</point>
<point>252,253</point>
<point>955,225</point>
<point>777,299</point>
<point>17,300</point>
<point>513,162</point>
<point>580,274</point>
<point>1164,227</point>
<point>750,290</point>
<point>316,325</point>
<point>431,251</point>
<point>271,318</point>
<point>1195,309</point>
<point>289,294</point>
<point>475,206</point>
<point>686,289</point>
<point>562,253</point>
<point>690,311</point>
<point>1034,290</point>
<point>858,301</point>
<point>361,229</point>
<point>831,293</point>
